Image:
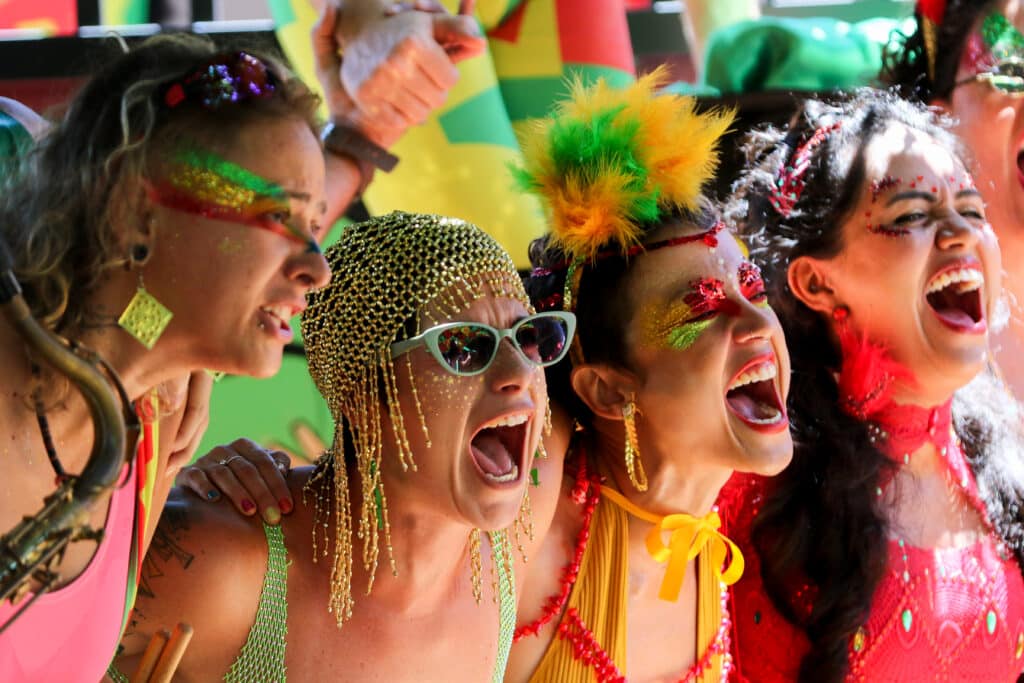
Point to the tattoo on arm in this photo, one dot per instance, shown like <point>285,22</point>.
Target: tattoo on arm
<point>166,546</point>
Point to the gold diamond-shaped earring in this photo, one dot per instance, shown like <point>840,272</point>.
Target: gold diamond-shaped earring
<point>144,318</point>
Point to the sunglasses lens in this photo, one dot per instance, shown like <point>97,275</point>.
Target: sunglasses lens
<point>1008,84</point>
<point>543,338</point>
<point>466,348</point>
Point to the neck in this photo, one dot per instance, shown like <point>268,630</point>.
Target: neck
<point>689,485</point>
<point>431,556</point>
<point>138,368</point>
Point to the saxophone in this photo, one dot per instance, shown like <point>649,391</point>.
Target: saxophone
<point>31,552</point>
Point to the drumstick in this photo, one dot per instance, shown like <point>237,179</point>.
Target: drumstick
<point>172,654</point>
<point>149,658</point>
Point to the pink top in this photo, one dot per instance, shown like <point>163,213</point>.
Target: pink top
<point>72,634</point>
<point>942,614</point>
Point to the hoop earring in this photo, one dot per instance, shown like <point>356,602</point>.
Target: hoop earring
<point>144,318</point>
<point>634,468</point>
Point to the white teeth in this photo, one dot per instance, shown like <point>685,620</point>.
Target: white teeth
<point>504,478</point>
<point>508,421</point>
<point>280,312</point>
<point>768,420</point>
<point>968,280</point>
<point>758,373</point>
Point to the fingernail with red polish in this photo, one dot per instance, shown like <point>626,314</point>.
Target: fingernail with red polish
<point>248,506</point>
<point>286,505</point>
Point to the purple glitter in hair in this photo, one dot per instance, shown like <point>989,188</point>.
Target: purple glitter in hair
<point>227,78</point>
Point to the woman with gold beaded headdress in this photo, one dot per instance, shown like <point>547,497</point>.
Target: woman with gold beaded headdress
<point>437,421</point>
<point>678,377</point>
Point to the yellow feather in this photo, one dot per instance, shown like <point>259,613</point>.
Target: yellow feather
<point>677,145</point>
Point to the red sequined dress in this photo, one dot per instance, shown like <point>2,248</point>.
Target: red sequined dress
<point>939,614</point>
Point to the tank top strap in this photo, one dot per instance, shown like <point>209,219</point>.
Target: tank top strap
<point>262,656</point>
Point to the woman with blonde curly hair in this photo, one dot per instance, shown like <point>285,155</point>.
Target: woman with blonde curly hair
<point>170,222</point>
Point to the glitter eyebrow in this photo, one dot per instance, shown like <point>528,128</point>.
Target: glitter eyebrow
<point>205,184</point>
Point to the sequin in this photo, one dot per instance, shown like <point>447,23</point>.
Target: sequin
<point>907,619</point>
<point>990,622</point>
<point>859,638</point>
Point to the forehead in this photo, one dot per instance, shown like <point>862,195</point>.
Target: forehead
<point>499,304</point>
<point>903,152</point>
<point>283,151</point>
<point>665,272</point>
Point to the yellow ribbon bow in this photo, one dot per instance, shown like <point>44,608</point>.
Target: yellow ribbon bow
<point>689,536</point>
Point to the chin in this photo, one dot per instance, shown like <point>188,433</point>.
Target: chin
<point>767,456</point>
<point>496,515</point>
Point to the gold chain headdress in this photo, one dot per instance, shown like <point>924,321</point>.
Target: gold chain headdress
<point>386,271</point>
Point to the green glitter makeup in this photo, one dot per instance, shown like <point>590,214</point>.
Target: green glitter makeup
<point>204,184</point>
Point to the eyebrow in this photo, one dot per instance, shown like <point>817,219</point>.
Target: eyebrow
<point>911,194</point>
<point>968,192</point>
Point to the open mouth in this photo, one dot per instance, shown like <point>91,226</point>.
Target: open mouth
<point>498,449</point>
<point>753,397</point>
<point>275,319</point>
<point>954,294</point>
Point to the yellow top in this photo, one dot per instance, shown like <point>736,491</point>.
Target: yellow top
<point>599,594</point>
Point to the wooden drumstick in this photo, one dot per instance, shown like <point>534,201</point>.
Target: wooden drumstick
<point>171,656</point>
<point>149,658</point>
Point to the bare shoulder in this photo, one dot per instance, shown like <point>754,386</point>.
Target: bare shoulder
<point>205,567</point>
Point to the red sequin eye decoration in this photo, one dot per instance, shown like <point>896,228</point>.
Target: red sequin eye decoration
<point>708,296</point>
<point>884,185</point>
<point>751,282</point>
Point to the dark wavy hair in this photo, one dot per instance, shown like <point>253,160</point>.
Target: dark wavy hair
<point>59,213</point>
<point>905,61</point>
<point>603,307</point>
<point>822,520</point>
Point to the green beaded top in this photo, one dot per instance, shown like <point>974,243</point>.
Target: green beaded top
<point>506,601</point>
<point>262,657</point>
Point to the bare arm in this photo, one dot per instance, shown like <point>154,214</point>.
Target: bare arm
<point>204,567</point>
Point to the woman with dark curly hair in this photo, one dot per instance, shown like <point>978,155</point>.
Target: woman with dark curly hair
<point>967,57</point>
<point>891,548</point>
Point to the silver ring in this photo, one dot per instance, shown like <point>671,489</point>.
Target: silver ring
<point>225,461</point>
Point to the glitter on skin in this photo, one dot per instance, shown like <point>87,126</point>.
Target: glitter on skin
<point>204,184</point>
<point>888,185</point>
<point>678,325</point>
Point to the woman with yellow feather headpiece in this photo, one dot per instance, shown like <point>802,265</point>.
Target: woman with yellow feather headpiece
<point>677,377</point>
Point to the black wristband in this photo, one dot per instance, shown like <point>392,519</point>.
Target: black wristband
<point>345,140</point>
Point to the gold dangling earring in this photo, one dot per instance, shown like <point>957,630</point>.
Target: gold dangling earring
<point>476,565</point>
<point>634,468</point>
<point>144,318</point>
<point>523,525</point>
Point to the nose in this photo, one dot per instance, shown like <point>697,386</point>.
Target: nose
<point>754,323</point>
<point>956,233</point>
<point>511,372</point>
<point>309,268</point>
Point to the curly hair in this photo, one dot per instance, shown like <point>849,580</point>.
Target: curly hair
<point>63,210</point>
<point>905,60</point>
<point>822,520</point>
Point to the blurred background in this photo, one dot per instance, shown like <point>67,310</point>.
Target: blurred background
<point>48,47</point>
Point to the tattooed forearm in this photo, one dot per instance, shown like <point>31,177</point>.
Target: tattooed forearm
<point>166,547</point>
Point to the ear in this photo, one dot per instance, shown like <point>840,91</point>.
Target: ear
<point>133,217</point>
<point>604,389</point>
<point>808,280</point>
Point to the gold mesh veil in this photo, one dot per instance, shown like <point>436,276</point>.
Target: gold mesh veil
<point>385,272</point>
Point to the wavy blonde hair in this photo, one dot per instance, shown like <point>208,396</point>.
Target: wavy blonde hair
<point>61,212</point>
